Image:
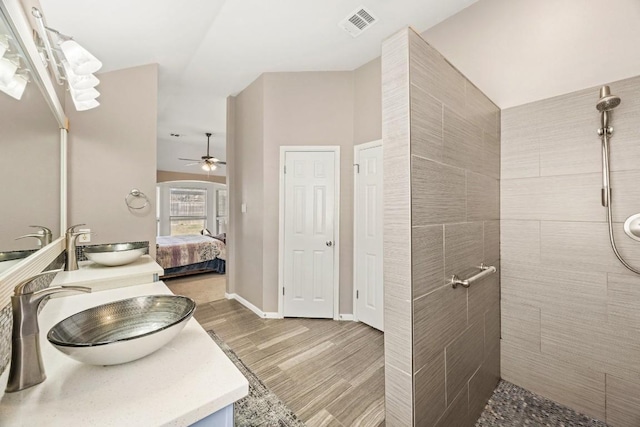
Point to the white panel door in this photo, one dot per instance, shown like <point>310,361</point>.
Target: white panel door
<point>309,184</point>
<point>368,235</point>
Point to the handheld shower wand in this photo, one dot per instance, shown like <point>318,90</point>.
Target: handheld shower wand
<point>606,103</point>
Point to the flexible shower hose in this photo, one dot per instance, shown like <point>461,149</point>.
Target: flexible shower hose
<point>605,154</point>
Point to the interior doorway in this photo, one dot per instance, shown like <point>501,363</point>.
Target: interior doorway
<point>309,229</point>
<point>367,247</point>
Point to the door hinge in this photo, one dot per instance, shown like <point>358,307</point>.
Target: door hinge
<point>357,167</point>
<point>282,291</point>
<point>357,294</point>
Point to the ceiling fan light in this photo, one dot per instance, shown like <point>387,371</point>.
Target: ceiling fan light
<point>77,82</point>
<point>80,60</point>
<point>209,167</point>
<point>84,95</point>
<point>85,105</point>
<point>16,87</point>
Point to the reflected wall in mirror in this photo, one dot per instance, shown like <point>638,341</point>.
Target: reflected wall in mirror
<point>29,164</point>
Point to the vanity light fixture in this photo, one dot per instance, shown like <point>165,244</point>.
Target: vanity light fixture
<point>8,69</point>
<point>70,62</point>
<point>4,45</point>
<point>16,86</point>
<point>79,82</point>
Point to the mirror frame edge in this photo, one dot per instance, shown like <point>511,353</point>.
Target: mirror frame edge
<point>37,262</point>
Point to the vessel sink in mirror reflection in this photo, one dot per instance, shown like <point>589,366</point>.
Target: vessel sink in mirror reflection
<point>122,331</point>
<point>29,161</point>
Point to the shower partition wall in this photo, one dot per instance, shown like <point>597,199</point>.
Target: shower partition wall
<point>441,139</point>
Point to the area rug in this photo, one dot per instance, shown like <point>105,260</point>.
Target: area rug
<point>261,407</point>
<point>512,406</point>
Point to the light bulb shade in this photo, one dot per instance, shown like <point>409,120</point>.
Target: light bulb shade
<point>4,46</point>
<point>77,82</point>
<point>16,87</point>
<point>7,71</point>
<point>209,167</point>
<point>82,62</point>
<point>85,105</point>
<point>83,95</point>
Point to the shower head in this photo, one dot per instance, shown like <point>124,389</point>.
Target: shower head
<point>607,102</point>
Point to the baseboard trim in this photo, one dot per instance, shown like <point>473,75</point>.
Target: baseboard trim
<point>346,317</point>
<point>256,310</point>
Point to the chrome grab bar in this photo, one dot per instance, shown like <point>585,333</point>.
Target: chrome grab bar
<point>484,272</point>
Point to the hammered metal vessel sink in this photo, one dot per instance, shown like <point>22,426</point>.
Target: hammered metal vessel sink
<point>115,254</point>
<point>122,331</point>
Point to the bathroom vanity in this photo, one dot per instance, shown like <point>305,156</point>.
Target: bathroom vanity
<point>190,381</point>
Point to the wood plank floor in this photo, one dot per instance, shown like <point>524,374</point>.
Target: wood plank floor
<point>329,373</point>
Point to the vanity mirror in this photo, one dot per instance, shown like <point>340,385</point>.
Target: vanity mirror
<point>31,145</point>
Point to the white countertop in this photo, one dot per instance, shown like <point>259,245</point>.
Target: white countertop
<point>183,382</point>
<point>100,277</point>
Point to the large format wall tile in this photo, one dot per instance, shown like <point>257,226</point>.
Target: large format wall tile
<point>520,241</point>
<point>491,234</point>
<point>623,401</point>
<point>521,325</point>
<point>464,247</point>
<point>580,388</point>
<point>483,197</point>
<point>583,246</point>
<point>426,125</point>
<point>430,398</point>
<point>430,71</point>
<point>560,198</point>
<point>480,110</point>
<point>623,300</point>
<point>428,259</point>
<point>438,193</point>
<point>464,356</point>
<point>519,144</point>
<point>439,317</point>
<point>577,294</point>
<point>457,415</point>
<point>463,142</point>
<point>483,383</point>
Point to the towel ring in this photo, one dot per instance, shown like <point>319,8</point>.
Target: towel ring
<point>136,194</point>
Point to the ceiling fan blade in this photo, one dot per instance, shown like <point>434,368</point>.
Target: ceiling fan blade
<point>191,164</point>
<point>221,162</point>
<point>190,160</point>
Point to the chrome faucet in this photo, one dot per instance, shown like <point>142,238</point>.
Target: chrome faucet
<point>44,235</point>
<point>72,235</point>
<point>26,368</point>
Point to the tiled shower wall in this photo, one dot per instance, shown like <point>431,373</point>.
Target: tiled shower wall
<point>442,169</point>
<point>570,310</point>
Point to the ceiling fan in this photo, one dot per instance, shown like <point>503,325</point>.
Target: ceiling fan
<point>208,162</point>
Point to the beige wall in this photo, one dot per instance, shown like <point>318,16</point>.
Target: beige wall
<point>311,108</point>
<point>306,109</point>
<point>441,216</point>
<point>164,176</point>
<point>245,174</point>
<point>570,310</point>
<point>112,149</point>
<point>29,168</point>
<point>367,102</point>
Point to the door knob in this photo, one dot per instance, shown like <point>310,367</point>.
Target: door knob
<point>329,243</point>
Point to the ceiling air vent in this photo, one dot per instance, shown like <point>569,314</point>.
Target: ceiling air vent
<point>358,21</point>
